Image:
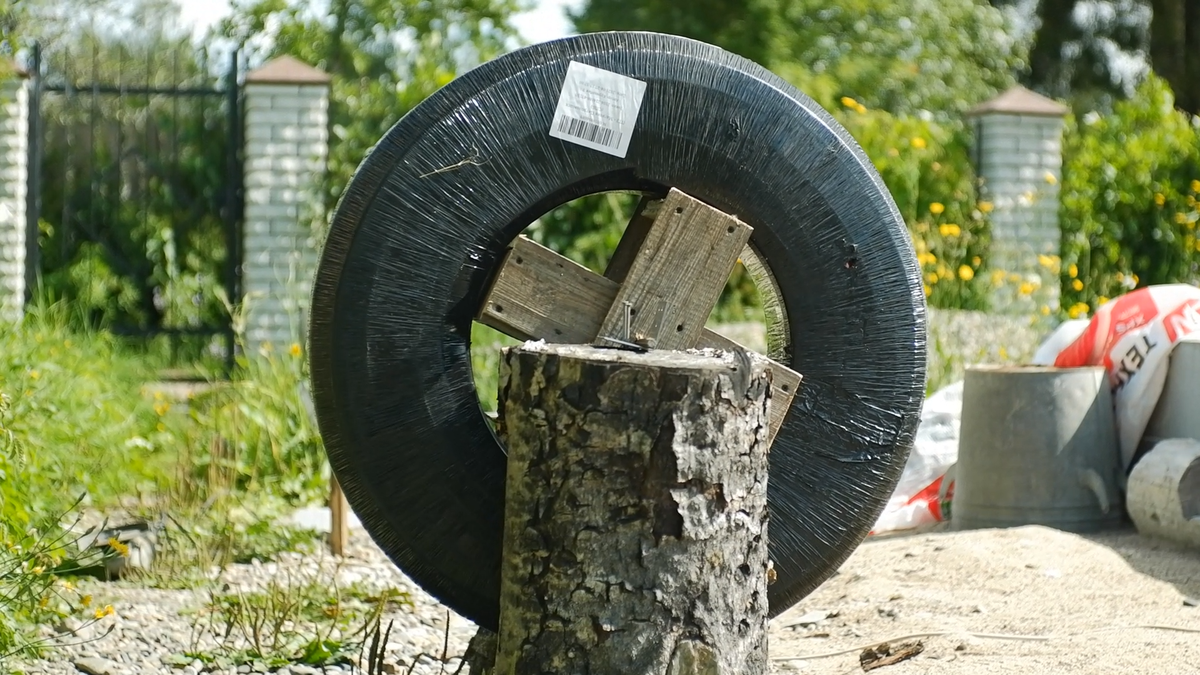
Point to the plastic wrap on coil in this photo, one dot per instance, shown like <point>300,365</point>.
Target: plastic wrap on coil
<point>426,219</point>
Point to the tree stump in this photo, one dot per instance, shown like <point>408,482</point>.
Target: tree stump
<point>635,537</point>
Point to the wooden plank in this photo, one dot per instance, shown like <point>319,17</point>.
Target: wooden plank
<point>548,297</point>
<point>633,239</point>
<point>677,276</point>
<point>541,295</point>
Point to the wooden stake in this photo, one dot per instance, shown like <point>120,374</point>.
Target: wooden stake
<point>339,530</point>
<point>635,524</point>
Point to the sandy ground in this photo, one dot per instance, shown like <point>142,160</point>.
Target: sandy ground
<point>1096,595</point>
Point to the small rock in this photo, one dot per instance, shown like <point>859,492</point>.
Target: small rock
<point>978,609</point>
<point>244,670</point>
<point>889,612</point>
<point>95,666</point>
<point>304,670</point>
<point>1191,602</point>
<point>794,665</point>
<point>811,618</point>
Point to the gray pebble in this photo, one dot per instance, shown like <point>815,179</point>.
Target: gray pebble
<point>97,666</point>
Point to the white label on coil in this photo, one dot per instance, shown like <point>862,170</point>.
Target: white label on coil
<point>597,109</point>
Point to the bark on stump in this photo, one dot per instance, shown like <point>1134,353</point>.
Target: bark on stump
<point>635,536</point>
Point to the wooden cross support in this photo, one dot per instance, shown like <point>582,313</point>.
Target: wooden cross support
<point>660,286</point>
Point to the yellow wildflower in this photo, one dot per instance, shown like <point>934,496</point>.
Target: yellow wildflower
<point>1026,289</point>
<point>122,549</point>
<point>976,261</point>
<point>39,569</point>
<point>1191,200</point>
<point>986,207</point>
<point>931,278</point>
<point>1159,198</point>
<point>1051,178</point>
<point>44,601</point>
<point>937,208</point>
<point>1101,301</point>
<point>1196,186</point>
<point>161,427</point>
<point>68,586</point>
<point>1135,280</point>
<point>950,230</point>
<point>926,287</point>
<point>1078,309</point>
<point>1045,310</point>
<point>161,408</point>
<point>34,374</point>
<point>998,277</point>
<point>1045,260</point>
<point>295,350</point>
<point>1180,219</point>
<point>1003,353</point>
<point>1073,270</point>
<point>107,611</point>
<point>918,143</point>
<point>860,108</point>
<point>1077,285</point>
<point>966,273</point>
<point>1014,277</point>
<point>849,102</point>
<point>86,600</point>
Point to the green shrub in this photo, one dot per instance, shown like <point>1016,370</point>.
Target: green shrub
<point>926,166</point>
<point>1131,181</point>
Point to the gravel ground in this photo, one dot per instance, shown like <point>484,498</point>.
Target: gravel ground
<point>150,625</point>
<point>1090,593</point>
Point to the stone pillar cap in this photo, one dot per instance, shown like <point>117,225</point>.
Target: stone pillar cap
<point>287,70</point>
<point>1020,101</point>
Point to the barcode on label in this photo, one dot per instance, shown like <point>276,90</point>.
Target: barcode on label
<point>592,133</point>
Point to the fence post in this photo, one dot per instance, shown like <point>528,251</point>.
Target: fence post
<point>286,155</point>
<point>635,534</point>
<point>1018,146</point>
<point>14,184</point>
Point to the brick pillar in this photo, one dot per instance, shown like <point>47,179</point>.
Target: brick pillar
<point>1018,145</point>
<point>286,154</point>
<point>14,162</point>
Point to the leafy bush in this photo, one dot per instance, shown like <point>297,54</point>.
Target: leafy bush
<point>1131,182</point>
<point>77,411</point>
<point>927,169</point>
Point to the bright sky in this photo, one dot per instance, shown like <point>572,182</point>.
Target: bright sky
<point>546,22</point>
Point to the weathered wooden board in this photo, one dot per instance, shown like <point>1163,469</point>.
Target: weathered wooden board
<point>541,295</point>
<point>677,275</point>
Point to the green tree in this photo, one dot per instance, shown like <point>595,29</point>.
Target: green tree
<point>924,55</point>
<point>385,56</point>
<point>749,28</point>
<point>1130,209</point>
